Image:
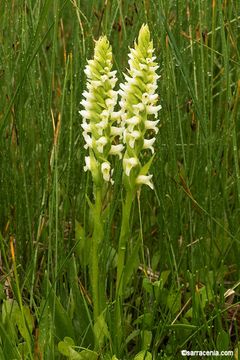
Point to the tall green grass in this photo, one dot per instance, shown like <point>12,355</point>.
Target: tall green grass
<point>185,234</point>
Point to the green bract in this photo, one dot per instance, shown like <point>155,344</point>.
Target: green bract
<point>139,109</point>
<point>98,114</point>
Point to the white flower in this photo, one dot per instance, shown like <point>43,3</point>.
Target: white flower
<point>87,71</point>
<point>116,131</point>
<point>133,121</point>
<point>85,114</point>
<point>153,109</point>
<point>86,127</point>
<point>116,150</point>
<point>131,137</point>
<point>116,115</point>
<point>105,169</point>
<point>101,126</point>
<point>86,104</point>
<point>149,60</point>
<point>110,103</point>
<point>88,140</point>
<point>151,88</point>
<point>129,163</point>
<point>144,179</point>
<point>99,100</point>
<point>139,107</point>
<point>138,102</point>
<point>151,125</point>
<point>104,78</point>
<point>154,68</point>
<point>88,163</point>
<point>105,114</point>
<point>88,96</point>
<point>101,142</point>
<point>148,144</point>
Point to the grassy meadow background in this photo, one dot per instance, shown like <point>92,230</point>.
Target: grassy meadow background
<point>183,271</point>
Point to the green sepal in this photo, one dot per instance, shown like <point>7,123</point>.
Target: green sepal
<point>144,170</point>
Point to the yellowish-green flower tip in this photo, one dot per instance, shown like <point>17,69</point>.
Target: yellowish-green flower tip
<point>144,38</point>
<point>139,110</point>
<point>98,114</point>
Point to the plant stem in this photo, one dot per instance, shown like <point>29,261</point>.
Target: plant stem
<point>124,236</point>
<point>96,240</point>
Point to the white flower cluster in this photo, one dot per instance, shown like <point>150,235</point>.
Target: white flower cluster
<point>137,118</point>
<point>98,114</point>
<point>139,109</point>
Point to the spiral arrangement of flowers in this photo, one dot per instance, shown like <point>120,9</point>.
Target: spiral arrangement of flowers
<point>139,109</point>
<point>98,113</point>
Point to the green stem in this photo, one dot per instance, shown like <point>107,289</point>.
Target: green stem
<point>124,236</point>
<point>96,240</point>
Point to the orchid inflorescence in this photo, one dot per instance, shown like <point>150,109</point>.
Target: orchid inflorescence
<point>98,115</point>
<point>133,124</point>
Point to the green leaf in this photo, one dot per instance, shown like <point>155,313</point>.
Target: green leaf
<point>147,285</point>
<point>101,329</point>
<point>62,321</point>
<point>174,301</point>
<point>132,263</point>
<point>66,348</point>
<point>21,323</point>
<point>146,336</point>
<point>143,355</point>
<point>223,341</point>
<point>69,341</point>
<point>45,326</point>
<point>12,313</point>
<point>88,355</point>
<point>83,244</point>
<point>144,170</point>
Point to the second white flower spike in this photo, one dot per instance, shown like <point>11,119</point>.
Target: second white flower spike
<point>139,110</point>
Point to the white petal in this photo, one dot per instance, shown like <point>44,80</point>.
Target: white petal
<point>151,125</point>
<point>105,114</point>
<point>128,164</point>
<point>88,163</point>
<point>101,142</point>
<point>116,115</point>
<point>86,127</point>
<point>116,131</point>
<point>104,78</point>
<point>116,150</point>
<point>96,83</point>
<point>105,168</point>
<point>153,68</point>
<point>112,73</point>
<point>149,60</point>
<point>132,137</point>
<point>135,120</point>
<point>148,144</point>
<point>101,126</point>
<point>151,88</point>
<point>139,107</point>
<point>145,179</point>
<point>136,72</point>
<point>85,114</point>
<point>88,140</point>
<point>153,109</point>
<point>143,66</point>
<point>110,103</point>
<point>88,95</point>
<point>87,71</point>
